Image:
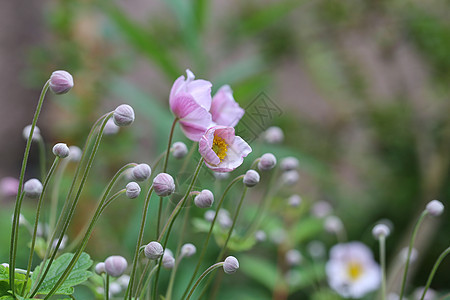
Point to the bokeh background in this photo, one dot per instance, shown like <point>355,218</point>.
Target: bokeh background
<point>362,89</point>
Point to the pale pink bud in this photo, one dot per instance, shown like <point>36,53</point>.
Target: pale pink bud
<point>204,199</point>
<point>179,150</point>
<point>273,135</point>
<point>75,153</point>
<point>289,163</point>
<point>333,224</point>
<point>141,172</point>
<point>293,257</point>
<point>209,215</point>
<point>32,188</point>
<point>100,268</point>
<point>290,177</point>
<point>9,186</point>
<point>110,128</point>
<point>294,200</point>
<point>230,265</point>
<point>36,133</point>
<point>267,162</point>
<point>153,250</point>
<point>168,261</point>
<point>188,250</point>
<point>435,208</point>
<point>321,209</point>
<point>61,82</point>
<point>380,230</point>
<point>133,190</point>
<point>260,236</point>
<point>61,150</point>
<point>163,184</point>
<point>115,265</point>
<point>251,178</point>
<point>123,115</point>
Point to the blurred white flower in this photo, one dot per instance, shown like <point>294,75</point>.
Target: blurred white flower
<point>430,295</point>
<point>352,271</point>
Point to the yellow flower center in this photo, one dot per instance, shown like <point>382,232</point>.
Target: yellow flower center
<point>354,270</point>
<point>220,147</point>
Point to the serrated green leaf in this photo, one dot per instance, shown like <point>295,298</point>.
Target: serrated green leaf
<point>4,272</point>
<point>259,270</point>
<point>79,274</point>
<point>19,280</point>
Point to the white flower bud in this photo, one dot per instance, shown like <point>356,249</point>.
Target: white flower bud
<point>63,243</point>
<point>289,163</point>
<point>114,288</point>
<point>260,236</point>
<point>168,261</point>
<point>204,199</point>
<point>273,135</point>
<point>110,128</point>
<point>430,295</point>
<point>100,268</point>
<point>163,185</point>
<point>321,209</point>
<point>290,177</point>
<point>294,200</point>
<point>36,133</point>
<point>251,178</point>
<point>435,208</point>
<point>61,82</point>
<point>61,150</point>
<point>293,257</point>
<point>32,188</point>
<point>221,175</point>
<point>380,230</point>
<point>115,265</point>
<point>267,162</point>
<point>404,254</point>
<point>153,250</point>
<point>230,265</point>
<point>75,153</point>
<point>209,215</point>
<point>124,280</point>
<point>123,115</point>
<point>179,150</point>
<point>224,219</point>
<point>133,190</point>
<point>187,250</point>
<point>333,224</point>
<point>141,172</point>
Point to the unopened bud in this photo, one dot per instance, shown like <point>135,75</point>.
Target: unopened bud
<point>179,150</point>
<point>168,261</point>
<point>61,150</point>
<point>260,236</point>
<point>321,209</point>
<point>114,288</point>
<point>36,133</point>
<point>133,190</point>
<point>333,224</point>
<point>267,162</point>
<point>75,153</point>
<point>61,82</point>
<point>124,280</point>
<point>380,230</point>
<point>289,163</point>
<point>100,268</point>
<point>32,188</point>
<point>230,265</point>
<point>204,199</point>
<point>435,208</point>
<point>153,250</point>
<point>9,186</point>
<point>251,178</point>
<point>123,115</point>
<point>209,215</point>
<point>141,172</point>
<point>293,257</point>
<point>224,219</point>
<point>110,128</point>
<point>163,185</point>
<point>290,177</point>
<point>273,135</point>
<point>188,250</point>
<point>294,200</point>
<point>115,265</point>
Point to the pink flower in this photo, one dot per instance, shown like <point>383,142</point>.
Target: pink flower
<point>222,150</point>
<point>224,109</point>
<point>9,186</point>
<point>190,101</point>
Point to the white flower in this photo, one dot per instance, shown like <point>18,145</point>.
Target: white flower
<point>352,271</point>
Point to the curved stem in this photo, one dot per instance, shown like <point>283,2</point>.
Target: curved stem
<point>433,271</point>
<point>213,267</point>
<point>42,158</point>
<point>140,289</point>
<point>55,194</point>
<point>138,245</point>
<point>383,266</point>
<point>38,212</point>
<point>411,244</point>
<point>205,245</point>
<point>14,230</point>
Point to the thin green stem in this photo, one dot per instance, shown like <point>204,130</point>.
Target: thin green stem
<point>411,244</point>
<point>42,158</point>
<point>383,266</point>
<point>139,242</point>
<point>38,211</point>
<point>147,282</point>
<point>107,287</point>
<point>433,271</point>
<point>55,194</point>
<point>205,245</point>
<point>14,230</point>
<point>213,267</point>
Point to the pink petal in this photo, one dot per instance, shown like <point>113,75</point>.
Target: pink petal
<point>224,109</point>
<point>178,86</point>
<point>227,133</point>
<point>201,91</point>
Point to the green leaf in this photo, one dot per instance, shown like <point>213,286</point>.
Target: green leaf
<point>306,229</point>
<point>79,274</point>
<point>259,270</point>
<point>19,280</point>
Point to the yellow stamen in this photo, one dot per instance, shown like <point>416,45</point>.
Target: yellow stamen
<point>354,270</point>
<point>220,147</point>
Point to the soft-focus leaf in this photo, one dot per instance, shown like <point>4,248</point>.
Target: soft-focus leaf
<point>260,270</point>
<point>306,229</point>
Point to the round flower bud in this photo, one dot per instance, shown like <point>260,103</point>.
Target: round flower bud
<point>260,236</point>
<point>110,128</point>
<point>9,186</point>
<point>75,153</point>
<point>36,133</point>
<point>293,257</point>
<point>209,215</point>
<point>435,208</point>
<point>273,135</point>
<point>133,190</point>
<point>61,150</point>
<point>168,261</point>
<point>380,230</point>
<point>294,200</point>
<point>115,265</point>
<point>290,177</point>
<point>230,265</point>
<point>32,188</point>
<point>100,268</point>
<point>141,172</point>
<point>61,82</point>
<point>153,250</point>
<point>123,115</point>
<point>204,199</point>
<point>404,254</point>
<point>251,178</point>
<point>179,150</point>
<point>289,163</point>
<point>333,224</point>
<point>114,288</point>
<point>267,162</point>
<point>221,175</point>
<point>163,185</point>
<point>63,243</point>
<point>224,219</point>
<point>124,280</point>
<point>321,209</point>
<point>188,250</point>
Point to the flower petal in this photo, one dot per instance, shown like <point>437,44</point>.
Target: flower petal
<point>224,109</point>
<point>205,148</point>
<point>201,91</point>
<point>178,86</point>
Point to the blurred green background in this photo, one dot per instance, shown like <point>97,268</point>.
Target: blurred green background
<point>362,87</point>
